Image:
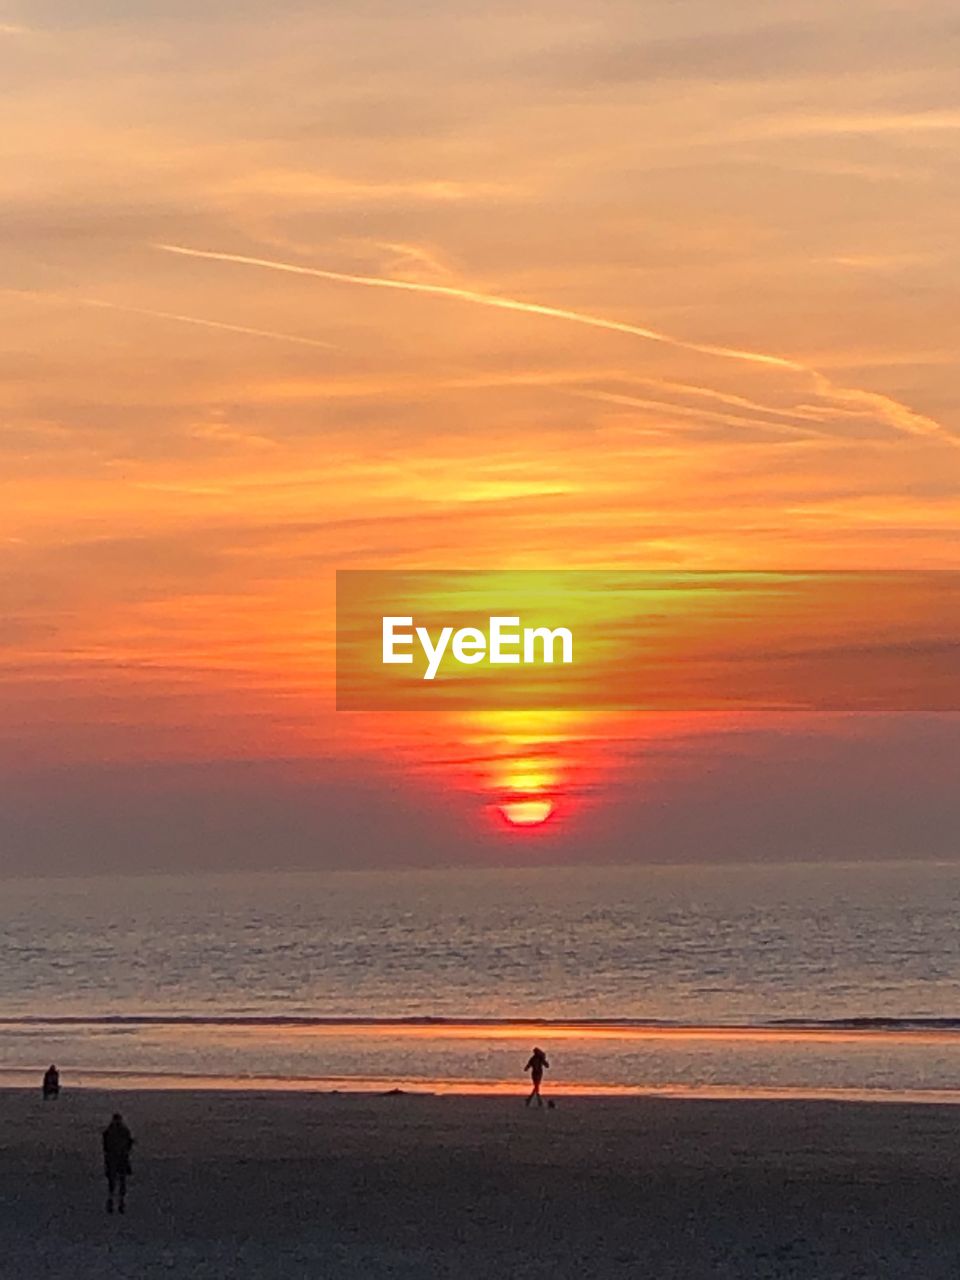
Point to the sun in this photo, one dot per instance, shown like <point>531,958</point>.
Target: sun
<point>526,813</point>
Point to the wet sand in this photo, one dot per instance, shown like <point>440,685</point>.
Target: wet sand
<point>238,1185</point>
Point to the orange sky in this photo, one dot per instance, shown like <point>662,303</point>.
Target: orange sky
<point>570,285</point>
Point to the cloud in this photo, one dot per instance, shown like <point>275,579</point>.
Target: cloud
<point>720,50</point>
<point>890,411</point>
<point>487,300</point>
<point>208,324</point>
<point>760,52</point>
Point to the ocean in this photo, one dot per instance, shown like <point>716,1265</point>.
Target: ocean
<point>814,980</point>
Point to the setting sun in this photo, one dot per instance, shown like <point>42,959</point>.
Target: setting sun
<point>526,813</point>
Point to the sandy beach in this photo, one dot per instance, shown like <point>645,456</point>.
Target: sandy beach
<point>301,1185</point>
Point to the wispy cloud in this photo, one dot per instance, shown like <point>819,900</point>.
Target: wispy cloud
<point>700,415</point>
<point>489,300</point>
<point>299,185</point>
<point>813,126</point>
<point>220,325</point>
<point>896,415</point>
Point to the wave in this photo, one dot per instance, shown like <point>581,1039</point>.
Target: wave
<point>863,1024</point>
<point>869,1023</point>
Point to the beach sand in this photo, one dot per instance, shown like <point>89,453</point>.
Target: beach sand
<point>237,1185</point>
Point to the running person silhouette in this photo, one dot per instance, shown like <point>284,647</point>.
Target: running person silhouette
<point>536,1066</point>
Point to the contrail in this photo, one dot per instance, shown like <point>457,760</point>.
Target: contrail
<point>489,300</point>
<point>209,324</point>
<point>897,415</point>
<point>700,415</point>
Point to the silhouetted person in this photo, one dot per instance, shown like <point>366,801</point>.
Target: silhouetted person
<point>117,1142</point>
<point>536,1066</point>
<point>51,1083</point>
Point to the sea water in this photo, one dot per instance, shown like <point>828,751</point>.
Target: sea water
<point>820,979</point>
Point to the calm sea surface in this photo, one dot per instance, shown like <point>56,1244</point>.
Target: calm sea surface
<point>702,979</point>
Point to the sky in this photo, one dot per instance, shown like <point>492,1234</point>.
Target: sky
<point>288,289</point>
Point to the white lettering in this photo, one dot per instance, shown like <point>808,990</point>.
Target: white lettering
<point>391,640</point>
<point>469,645</point>
<point>499,637</point>
<point>434,654</point>
<point>532,634</point>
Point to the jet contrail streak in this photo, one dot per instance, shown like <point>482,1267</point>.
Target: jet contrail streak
<point>804,431</point>
<point>209,324</point>
<point>488,300</point>
<point>897,415</point>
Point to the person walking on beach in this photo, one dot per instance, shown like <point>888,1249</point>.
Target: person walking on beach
<point>536,1066</point>
<point>51,1083</point>
<point>117,1143</point>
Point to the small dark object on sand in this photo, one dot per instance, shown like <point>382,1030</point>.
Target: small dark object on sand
<point>551,1105</point>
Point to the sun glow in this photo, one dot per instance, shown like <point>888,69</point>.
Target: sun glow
<point>526,813</point>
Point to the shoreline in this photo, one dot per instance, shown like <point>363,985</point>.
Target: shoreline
<point>16,1080</point>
